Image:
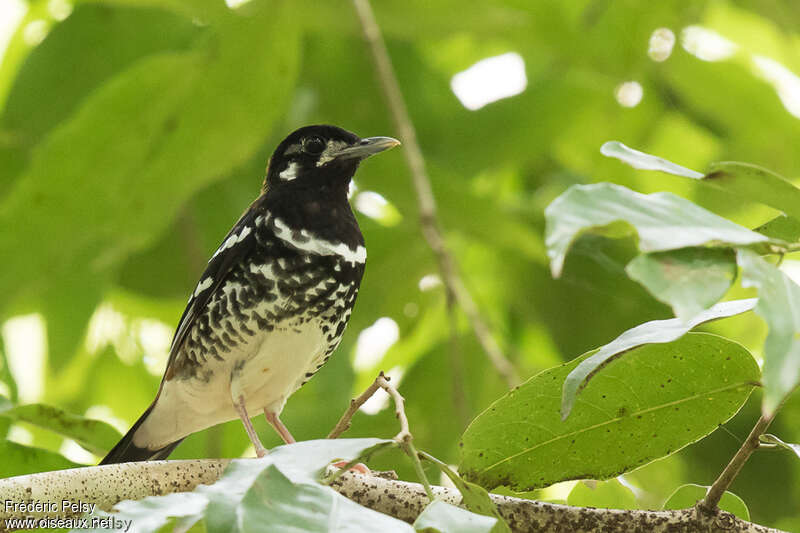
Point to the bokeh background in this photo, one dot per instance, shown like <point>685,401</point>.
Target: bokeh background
<point>134,132</point>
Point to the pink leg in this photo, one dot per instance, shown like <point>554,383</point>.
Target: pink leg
<point>248,427</point>
<point>282,430</point>
<point>360,468</point>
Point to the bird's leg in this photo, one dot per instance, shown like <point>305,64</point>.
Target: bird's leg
<point>248,427</point>
<point>282,430</point>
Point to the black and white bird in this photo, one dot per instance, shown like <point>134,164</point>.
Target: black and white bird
<point>272,304</point>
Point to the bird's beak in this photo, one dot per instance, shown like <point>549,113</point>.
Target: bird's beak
<point>366,148</point>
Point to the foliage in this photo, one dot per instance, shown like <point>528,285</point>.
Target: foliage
<point>134,134</point>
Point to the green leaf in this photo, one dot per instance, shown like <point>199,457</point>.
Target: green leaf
<point>96,436</point>
<point>687,496</point>
<point>644,161</point>
<point>690,280</point>
<point>473,497</point>
<point>769,438</point>
<point>267,494</point>
<point>755,184</point>
<point>663,221</point>
<point>655,331</point>
<point>301,463</point>
<point>642,407</point>
<point>442,517</point>
<point>171,134</point>
<point>749,182</point>
<point>782,228</point>
<point>602,494</point>
<point>275,503</point>
<point>60,72</point>
<point>777,305</point>
<point>152,513</point>
<point>19,460</point>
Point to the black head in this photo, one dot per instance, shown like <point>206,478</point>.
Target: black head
<point>321,156</point>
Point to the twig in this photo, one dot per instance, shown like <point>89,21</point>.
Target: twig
<point>403,438</point>
<point>730,472</point>
<point>427,204</point>
<point>344,423</point>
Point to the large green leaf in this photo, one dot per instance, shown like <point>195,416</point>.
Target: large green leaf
<point>747,181</point>
<point>19,460</point>
<point>782,228</point>
<point>754,183</point>
<point>97,189</point>
<point>644,161</point>
<point>777,304</point>
<point>274,503</point>
<point>96,436</point>
<point>690,280</point>
<point>62,71</point>
<point>647,405</point>
<point>662,221</point>
<point>656,331</point>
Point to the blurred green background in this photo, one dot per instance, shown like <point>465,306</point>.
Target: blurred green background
<point>134,132</point>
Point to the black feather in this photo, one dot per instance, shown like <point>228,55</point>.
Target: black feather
<point>127,452</point>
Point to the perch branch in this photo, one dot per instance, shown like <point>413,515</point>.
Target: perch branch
<point>427,203</point>
<point>106,485</point>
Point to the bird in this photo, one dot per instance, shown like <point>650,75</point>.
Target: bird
<point>273,302</point>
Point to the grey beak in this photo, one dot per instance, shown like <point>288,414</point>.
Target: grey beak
<point>367,147</point>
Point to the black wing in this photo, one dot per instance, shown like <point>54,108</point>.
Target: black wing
<point>237,244</point>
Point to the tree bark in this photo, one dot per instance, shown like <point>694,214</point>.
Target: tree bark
<point>109,484</point>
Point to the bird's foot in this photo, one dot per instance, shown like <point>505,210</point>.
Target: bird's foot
<point>359,468</point>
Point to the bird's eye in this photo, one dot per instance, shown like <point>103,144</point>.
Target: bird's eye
<point>314,145</point>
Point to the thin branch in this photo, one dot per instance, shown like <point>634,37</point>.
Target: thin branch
<point>404,438</point>
<point>344,423</point>
<point>427,204</point>
<point>108,484</point>
<point>730,472</point>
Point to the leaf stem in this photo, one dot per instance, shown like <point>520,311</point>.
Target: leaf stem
<point>411,450</point>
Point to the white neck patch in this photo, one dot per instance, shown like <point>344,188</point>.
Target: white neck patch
<point>290,173</point>
<point>315,245</point>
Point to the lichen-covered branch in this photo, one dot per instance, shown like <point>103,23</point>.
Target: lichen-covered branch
<point>108,484</point>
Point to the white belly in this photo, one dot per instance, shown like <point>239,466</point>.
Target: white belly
<point>265,371</point>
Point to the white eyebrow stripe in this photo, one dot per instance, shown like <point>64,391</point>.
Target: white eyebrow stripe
<point>292,149</point>
<point>290,172</point>
<point>331,149</point>
<point>315,245</point>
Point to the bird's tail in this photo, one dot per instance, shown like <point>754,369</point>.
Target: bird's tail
<point>127,452</point>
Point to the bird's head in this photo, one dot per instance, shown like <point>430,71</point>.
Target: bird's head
<point>320,157</point>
